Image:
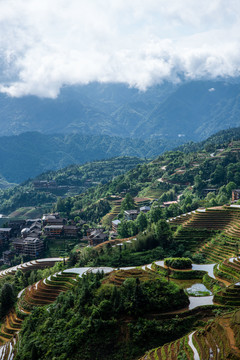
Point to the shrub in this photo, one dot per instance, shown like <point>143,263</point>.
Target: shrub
<point>178,263</point>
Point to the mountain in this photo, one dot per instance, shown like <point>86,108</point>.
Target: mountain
<point>29,154</point>
<point>214,160</point>
<point>193,110</point>
<point>200,175</point>
<point>88,109</point>
<point>68,181</point>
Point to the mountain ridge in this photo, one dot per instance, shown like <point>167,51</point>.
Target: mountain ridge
<point>196,109</point>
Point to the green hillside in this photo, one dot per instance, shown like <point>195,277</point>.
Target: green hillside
<point>70,180</point>
<point>203,177</point>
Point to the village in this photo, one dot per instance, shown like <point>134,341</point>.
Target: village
<point>29,238</point>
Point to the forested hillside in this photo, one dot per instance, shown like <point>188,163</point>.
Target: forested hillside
<point>212,163</point>
<point>70,180</point>
<point>203,177</point>
<point>148,298</point>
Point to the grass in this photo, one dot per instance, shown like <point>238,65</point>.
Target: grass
<point>30,211</point>
<point>55,247</point>
<point>151,192</point>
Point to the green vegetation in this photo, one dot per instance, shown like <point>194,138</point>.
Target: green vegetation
<point>168,177</point>
<point>178,263</point>
<point>10,285</point>
<point>218,337</point>
<point>143,250</point>
<point>38,153</point>
<point>94,316</point>
<point>75,178</point>
<point>121,315</point>
<point>181,176</point>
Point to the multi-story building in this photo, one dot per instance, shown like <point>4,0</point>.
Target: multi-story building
<point>115,224</point>
<point>96,236</point>
<point>131,214</point>
<point>33,247</point>
<point>70,230</point>
<point>53,230</point>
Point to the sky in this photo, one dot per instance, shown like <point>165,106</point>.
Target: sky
<point>46,44</point>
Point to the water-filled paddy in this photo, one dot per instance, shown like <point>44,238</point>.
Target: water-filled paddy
<point>198,289</point>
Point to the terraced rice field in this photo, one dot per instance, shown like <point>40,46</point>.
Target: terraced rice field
<point>116,208</point>
<point>31,265</point>
<point>229,270</point>
<point>119,276</point>
<point>215,233</point>
<point>215,341</point>
<point>39,294</point>
<point>115,242</point>
<point>42,293</point>
<point>230,296</point>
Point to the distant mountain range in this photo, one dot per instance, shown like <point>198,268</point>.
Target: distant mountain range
<point>192,110</point>
<point>30,154</point>
<point>100,121</point>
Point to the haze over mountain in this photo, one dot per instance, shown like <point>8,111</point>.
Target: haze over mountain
<point>119,68</point>
<point>141,71</point>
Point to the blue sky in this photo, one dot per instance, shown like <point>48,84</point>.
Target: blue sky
<point>46,44</point>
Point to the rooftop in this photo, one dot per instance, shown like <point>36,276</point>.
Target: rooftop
<point>116,222</point>
<point>54,227</point>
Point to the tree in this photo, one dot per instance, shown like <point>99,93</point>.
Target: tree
<point>132,228</point>
<point>127,203</point>
<point>229,187</point>
<point>7,297</point>
<point>163,233</point>
<point>155,213</point>
<point>218,176</point>
<point>123,230</point>
<point>142,221</point>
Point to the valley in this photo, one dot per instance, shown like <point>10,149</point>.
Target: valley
<point>152,271</point>
<point>119,180</point>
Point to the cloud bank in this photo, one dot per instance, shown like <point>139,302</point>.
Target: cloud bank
<point>47,44</point>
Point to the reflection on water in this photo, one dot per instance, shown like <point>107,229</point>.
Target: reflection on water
<point>198,290</point>
<point>190,343</point>
<point>184,284</point>
<point>199,301</point>
<point>202,267</point>
<point>205,267</point>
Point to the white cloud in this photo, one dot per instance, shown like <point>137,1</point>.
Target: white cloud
<point>140,42</point>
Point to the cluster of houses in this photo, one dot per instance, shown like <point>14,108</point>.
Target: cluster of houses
<point>25,237</point>
<point>129,215</point>
<point>96,236</point>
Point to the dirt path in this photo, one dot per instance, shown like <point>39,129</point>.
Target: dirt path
<point>223,281</point>
<point>225,322</point>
